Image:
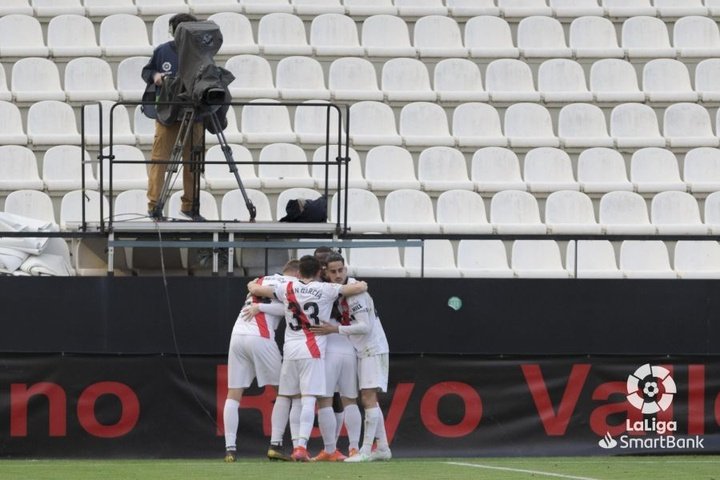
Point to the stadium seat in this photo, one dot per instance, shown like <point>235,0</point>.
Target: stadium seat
<point>318,168</point>
<point>667,80</point>
<point>425,123</point>
<point>125,176</point>
<point>62,169</point>
<point>595,259</point>
<point>602,170</point>
<point>436,259</point>
<point>472,8</point>
<point>576,8</point>
<point>676,213</point>
<point>266,124</point>
<point>21,36</point>
<point>712,212</point>
<point>706,74</point>
<point>253,77</point>
<point>36,79</point>
<point>459,80</point>
<point>30,203</point>
<point>625,213</point>
<point>583,125</point>
<point>282,34</point>
<point>697,259</point>
<point>143,127</point>
<point>514,211</point>
<point>687,125</point>
<point>218,175</point>
<point>161,7</point>
<point>231,132</point>
<point>509,80</point>
<point>695,36</point>
<point>71,208</point>
<point>89,79</point>
<point>105,8</point>
<point>208,206</point>
<point>300,78</point>
<point>443,168</point>
<point>409,211</point>
<point>199,7</point>
<point>489,37</point>
<point>389,167</point>
<point>594,37</point>
<point>373,123</point>
<point>628,8</point>
<point>130,84</point>
<point>362,8</point>
<point>363,212</point>
<point>386,36</point>
<point>335,34</point>
<point>562,80</point>
<point>317,7</point>
<point>567,211</point>
<point>635,125</point>
<point>123,35</point>
<point>529,125</point>
<point>291,194</point>
<point>438,36</point>
<point>701,170</point>
<point>494,169</point>
<point>483,258</point>
<point>54,8</point>
<point>477,125</point>
<point>16,7</point>
<point>353,79</point>
<point>122,134</point>
<point>646,37</point>
<point>645,259</point>
<point>548,169</point>
<point>237,32</point>
<point>655,170</point>
<point>12,132</point>
<point>714,7</point>
<point>52,123</point>
<point>233,208</point>
<point>406,80</point>
<point>680,8</point>
<point>540,36</point>
<point>274,174</point>
<point>72,36</point>
<point>312,123</point>
<point>420,8</point>
<point>374,262</point>
<point>131,206</point>
<point>160,29</point>
<point>18,169</point>
<point>254,7</point>
<point>462,212</point>
<point>524,8</point>
<point>537,259</point>
<point>615,80</point>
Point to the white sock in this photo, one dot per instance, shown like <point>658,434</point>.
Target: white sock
<point>307,418</point>
<point>231,420</point>
<point>380,434</point>
<point>353,423</point>
<point>372,416</point>
<point>295,420</point>
<point>339,417</point>
<point>279,419</point>
<point>326,421</point>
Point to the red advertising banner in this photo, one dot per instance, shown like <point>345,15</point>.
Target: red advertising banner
<point>438,405</point>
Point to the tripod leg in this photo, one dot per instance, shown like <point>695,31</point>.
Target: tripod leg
<point>227,151</point>
<point>175,160</point>
<point>196,167</point>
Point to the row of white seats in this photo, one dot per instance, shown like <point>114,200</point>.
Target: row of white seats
<point>410,8</point>
<point>525,125</point>
<point>382,35</point>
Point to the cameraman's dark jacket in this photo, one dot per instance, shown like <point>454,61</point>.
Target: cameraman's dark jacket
<point>164,60</point>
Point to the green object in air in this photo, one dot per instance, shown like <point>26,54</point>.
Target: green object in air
<point>455,303</point>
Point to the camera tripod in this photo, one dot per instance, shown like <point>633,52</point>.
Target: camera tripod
<point>188,117</point>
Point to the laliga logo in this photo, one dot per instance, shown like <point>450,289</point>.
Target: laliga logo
<point>651,389</point>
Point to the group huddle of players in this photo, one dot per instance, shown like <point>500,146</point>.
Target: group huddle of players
<point>334,344</point>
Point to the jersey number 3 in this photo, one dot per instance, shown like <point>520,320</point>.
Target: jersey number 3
<point>311,313</point>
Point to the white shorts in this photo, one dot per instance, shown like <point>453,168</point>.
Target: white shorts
<point>341,374</point>
<point>252,357</point>
<point>373,372</point>
<point>305,376</point>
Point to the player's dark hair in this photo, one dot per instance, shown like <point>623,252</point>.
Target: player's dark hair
<point>335,257</point>
<point>309,266</point>
<point>179,18</point>
<point>291,266</point>
<point>322,253</point>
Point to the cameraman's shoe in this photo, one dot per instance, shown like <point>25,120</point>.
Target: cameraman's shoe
<point>190,215</point>
<point>155,216</point>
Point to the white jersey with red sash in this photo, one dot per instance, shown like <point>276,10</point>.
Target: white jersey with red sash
<point>305,304</point>
<point>262,324</point>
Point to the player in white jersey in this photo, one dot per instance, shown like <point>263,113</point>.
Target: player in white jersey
<point>307,302</point>
<point>254,353</point>
<point>368,337</point>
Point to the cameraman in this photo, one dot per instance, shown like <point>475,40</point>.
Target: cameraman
<point>164,62</point>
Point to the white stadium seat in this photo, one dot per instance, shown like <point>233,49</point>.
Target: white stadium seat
<point>537,259</point>
<point>701,170</point>
<point>459,80</point>
<point>628,8</point>
<point>695,36</point>
<point>143,127</point>
<point>494,169</point>
<point>635,125</point>
<point>676,213</point>
<point>472,8</point>
<point>266,124</point>
<point>218,175</point>
<point>645,259</point>
<point>706,75</point>
<point>509,80</point>
<point>625,213</point>
<point>712,212</point>
<point>253,77</point>
<point>233,208</point>
<point>71,208</point>
<point>374,262</point>
<point>62,169</point>
<point>583,125</point>
<point>524,8</point>
<point>542,37</point>
<point>36,79</point>
<point>18,169</point>
<point>124,35</point>
<point>214,6</point>
<point>122,134</point>
<point>420,8</point>
<point>317,7</point>
<point>208,206</point>
<point>615,80</point>
<point>274,173</point>
<point>360,8</point>
<point>594,37</point>
<point>425,123</point>
<point>443,168</point>
<point>386,36</point>
<point>12,132</point>
<point>125,176</point>
<point>697,259</point>
<point>438,36</point>
<point>406,79</point>
<point>30,203</point>
<point>529,125</point>
<point>655,170</point>
<point>237,33</point>
<point>231,132</point>
<point>435,259</point>
<point>335,34</point>
<point>667,80</point>
<point>282,34</point>
<point>489,37</point>
<point>462,212</point>
<point>388,167</point>
<point>595,259</point>
<point>363,212</point>
<point>602,170</point>
<point>644,37</point>
<point>54,8</point>
<point>16,7</point>
<point>161,7</point>
<point>477,125</point>
<point>680,8</point>
<point>563,80</point>
<point>52,123</point>
<point>130,84</point>
<point>160,29</point>
<point>353,79</point>
<point>373,123</point>
<point>312,123</point>
<point>105,8</point>
<point>300,78</point>
<point>514,211</point>
<point>318,168</point>
<point>131,206</point>
<point>72,36</point>
<point>576,8</point>
<point>687,125</point>
<point>21,36</point>
<point>89,79</point>
<point>483,258</point>
<point>548,169</point>
<point>254,7</point>
<point>410,211</point>
<point>568,211</point>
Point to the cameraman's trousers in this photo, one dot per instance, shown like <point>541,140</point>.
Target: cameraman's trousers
<point>165,137</point>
